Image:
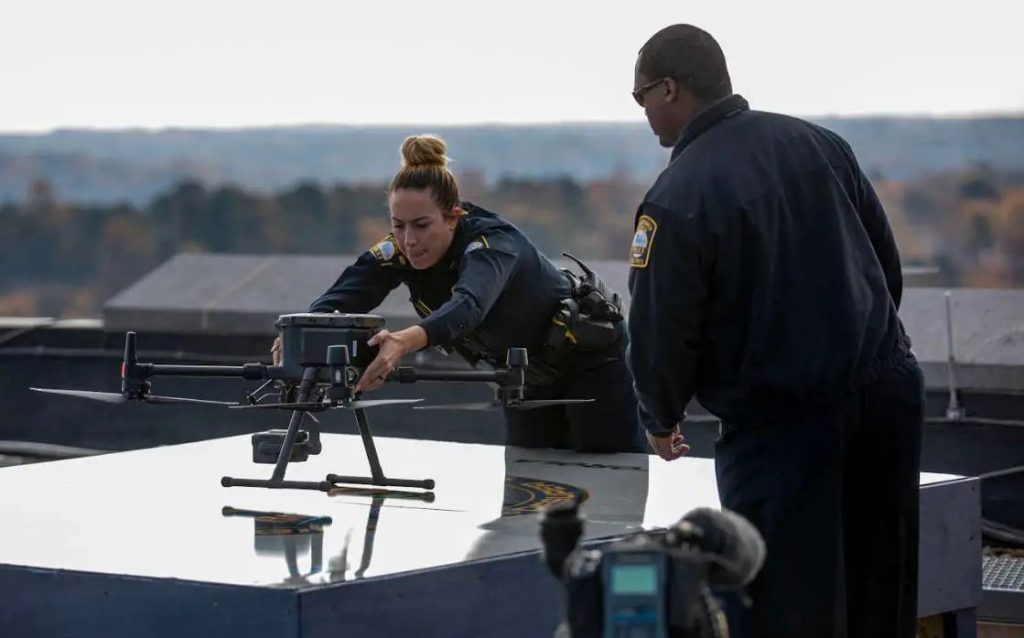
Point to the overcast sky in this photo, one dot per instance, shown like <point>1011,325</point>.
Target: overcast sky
<point>217,63</point>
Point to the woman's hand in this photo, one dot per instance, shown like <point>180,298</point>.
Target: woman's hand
<point>393,346</point>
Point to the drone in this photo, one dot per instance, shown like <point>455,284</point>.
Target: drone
<point>323,356</point>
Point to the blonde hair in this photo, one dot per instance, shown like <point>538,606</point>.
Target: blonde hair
<point>425,166</point>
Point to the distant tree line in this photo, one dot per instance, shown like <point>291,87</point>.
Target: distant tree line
<point>62,259</point>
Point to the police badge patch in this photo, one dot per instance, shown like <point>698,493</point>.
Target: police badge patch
<point>384,250</point>
<point>643,242</point>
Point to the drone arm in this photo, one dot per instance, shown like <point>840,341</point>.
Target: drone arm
<point>135,376</point>
<point>253,371</point>
<point>511,376</point>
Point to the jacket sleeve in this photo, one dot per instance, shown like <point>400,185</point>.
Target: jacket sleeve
<point>669,284</point>
<point>485,268</point>
<point>875,222</point>
<point>361,287</point>
<point>873,217</point>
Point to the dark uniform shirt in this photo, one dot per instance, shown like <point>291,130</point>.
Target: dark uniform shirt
<point>492,290</point>
<point>764,277</point>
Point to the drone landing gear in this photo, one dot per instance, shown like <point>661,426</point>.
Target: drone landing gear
<point>308,442</point>
<point>288,452</point>
<point>376,473</point>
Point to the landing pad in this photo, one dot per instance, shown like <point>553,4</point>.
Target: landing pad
<point>148,542</point>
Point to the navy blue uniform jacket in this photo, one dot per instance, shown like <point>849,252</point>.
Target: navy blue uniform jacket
<point>764,276</point>
<point>492,290</point>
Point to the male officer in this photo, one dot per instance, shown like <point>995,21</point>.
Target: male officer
<point>765,281</point>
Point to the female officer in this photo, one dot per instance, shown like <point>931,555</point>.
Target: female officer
<point>480,287</point>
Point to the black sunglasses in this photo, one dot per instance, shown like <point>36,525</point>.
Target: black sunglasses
<point>639,94</point>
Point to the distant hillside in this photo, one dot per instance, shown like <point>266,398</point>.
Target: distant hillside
<point>132,165</point>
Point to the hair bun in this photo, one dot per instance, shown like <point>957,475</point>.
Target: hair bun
<point>423,150</point>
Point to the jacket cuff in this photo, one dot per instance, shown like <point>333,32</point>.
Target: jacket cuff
<point>652,425</point>
<point>434,332</point>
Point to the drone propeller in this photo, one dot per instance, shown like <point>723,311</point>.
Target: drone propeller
<point>483,406</point>
<point>491,405</point>
<point>375,403</point>
<point>117,397</point>
<point>305,406</point>
<point>105,397</point>
<point>318,407</point>
<point>155,398</point>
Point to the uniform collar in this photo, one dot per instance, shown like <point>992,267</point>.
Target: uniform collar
<point>708,117</point>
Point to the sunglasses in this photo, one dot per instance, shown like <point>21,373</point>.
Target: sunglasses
<point>639,94</point>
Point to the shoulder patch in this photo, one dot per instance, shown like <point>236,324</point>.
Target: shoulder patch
<point>479,242</point>
<point>385,250</point>
<point>643,242</point>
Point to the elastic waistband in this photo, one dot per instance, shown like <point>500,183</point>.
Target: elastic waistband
<point>884,365</point>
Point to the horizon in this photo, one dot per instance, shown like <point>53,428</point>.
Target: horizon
<point>994,115</point>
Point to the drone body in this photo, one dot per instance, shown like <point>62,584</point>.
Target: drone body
<point>306,338</point>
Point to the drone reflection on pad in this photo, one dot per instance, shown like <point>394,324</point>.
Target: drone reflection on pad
<point>278,533</point>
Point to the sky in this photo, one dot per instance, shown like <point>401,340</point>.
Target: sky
<point>222,63</point>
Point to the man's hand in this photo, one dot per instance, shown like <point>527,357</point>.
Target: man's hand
<point>669,447</point>
<point>393,346</point>
<point>275,351</point>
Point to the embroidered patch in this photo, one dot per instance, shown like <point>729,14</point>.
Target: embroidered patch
<point>384,250</point>
<point>643,242</point>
